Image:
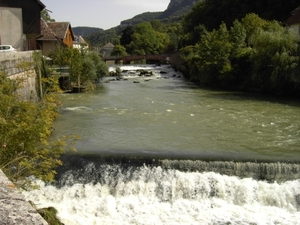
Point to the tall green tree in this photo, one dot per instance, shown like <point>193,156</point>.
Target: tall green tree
<point>275,58</point>
<point>210,58</point>
<point>93,67</point>
<point>145,40</point>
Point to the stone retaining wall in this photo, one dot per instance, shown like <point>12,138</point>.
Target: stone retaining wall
<point>14,209</point>
<point>10,60</point>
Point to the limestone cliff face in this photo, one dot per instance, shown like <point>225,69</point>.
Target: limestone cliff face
<point>174,4</point>
<point>178,8</point>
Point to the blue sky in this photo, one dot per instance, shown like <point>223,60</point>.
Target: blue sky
<point>101,13</point>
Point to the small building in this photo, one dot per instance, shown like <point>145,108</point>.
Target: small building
<point>107,49</point>
<point>20,23</point>
<point>294,21</point>
<point>80,43</point>
<point>54,33</point>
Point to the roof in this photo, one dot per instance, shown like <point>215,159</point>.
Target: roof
<point>80,40</point>
<point>295,17</point>
<point>59,28</point>
<point>108,45</point>
<point>54,30</point>
<point>46,33</point>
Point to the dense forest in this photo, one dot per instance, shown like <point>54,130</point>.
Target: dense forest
<point>244,46</point>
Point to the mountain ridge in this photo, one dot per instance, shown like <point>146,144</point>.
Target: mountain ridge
<point>175,11</point>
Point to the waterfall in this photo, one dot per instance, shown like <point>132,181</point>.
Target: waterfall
<point>174,192</point>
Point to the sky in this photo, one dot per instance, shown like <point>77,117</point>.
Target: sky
<point>103,14</point>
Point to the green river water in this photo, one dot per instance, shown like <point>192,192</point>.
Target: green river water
<point>169,116</point>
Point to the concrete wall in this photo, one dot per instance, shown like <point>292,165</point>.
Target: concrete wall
<point>9,62</point>
<point>14,209</point>
<point>27,81</point>
<point>11,32</point>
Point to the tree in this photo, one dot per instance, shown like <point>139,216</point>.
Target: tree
<point>46,17</point>
<point>275,58</point>
<point>84,67</point>
<point>119,50</point>
<point>254,54</point>
<point>126,35</point>
<point>210,58</point>
<point>145,40</point>
<point>93,67</point>
<point>25,126</point>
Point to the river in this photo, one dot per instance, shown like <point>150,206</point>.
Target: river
<point>160,150</point>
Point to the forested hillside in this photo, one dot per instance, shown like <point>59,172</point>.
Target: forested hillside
<point>147,16</point>
<point>176,10</point>
<point>211,13</point>
<point>85,31</point>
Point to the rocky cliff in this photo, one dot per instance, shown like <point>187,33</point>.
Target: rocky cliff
<point>178,8</point>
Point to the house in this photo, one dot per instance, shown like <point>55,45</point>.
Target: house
<point>20,23</point>
<point>107,49</point>
<point>80,43</point>
<point>54,33</point>
<point>294,21</point>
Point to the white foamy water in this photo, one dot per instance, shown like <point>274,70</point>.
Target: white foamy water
<point>156,196</point>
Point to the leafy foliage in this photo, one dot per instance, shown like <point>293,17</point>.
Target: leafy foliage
<point>84,67</point>
<point>253,54</point>
<point>46,17</point>
<point>275,58</point>
<point>25,126</point>
<point>101,38</point>
<point>119,50</point>
<point>146,40</point>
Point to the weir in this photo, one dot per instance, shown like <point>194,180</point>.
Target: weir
<point>80,167</point>
<point>90,192</point>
